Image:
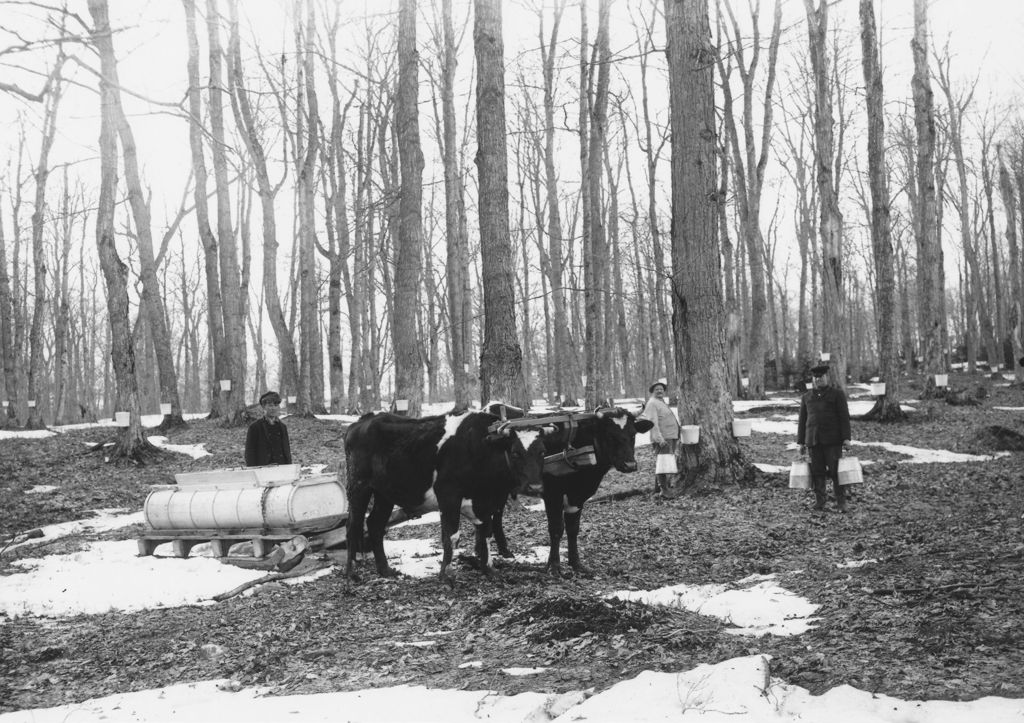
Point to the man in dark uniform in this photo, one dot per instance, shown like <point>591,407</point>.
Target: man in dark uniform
<point>266,442</point>
<point>824,427</point>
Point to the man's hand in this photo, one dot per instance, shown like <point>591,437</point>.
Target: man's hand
<point>803,450</point>
<point>846,446</point>
<point>659,440</point>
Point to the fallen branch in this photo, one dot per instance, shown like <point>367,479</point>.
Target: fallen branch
<point>936,588</point>
<point>273,577</point>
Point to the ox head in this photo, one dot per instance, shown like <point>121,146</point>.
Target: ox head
<point>524,455</point>
<point>616,435</point>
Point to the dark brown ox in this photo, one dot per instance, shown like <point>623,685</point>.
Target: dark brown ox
<point>433,463</point>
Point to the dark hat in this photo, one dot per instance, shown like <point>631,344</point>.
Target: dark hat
<point>820,370</point>
<point>663,382</point>
<point>270,398</point>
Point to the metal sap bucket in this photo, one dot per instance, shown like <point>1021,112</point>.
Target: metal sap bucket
<point>800,476</point>
<point>316,502</point>
<point>850,471</point>
<point>741,427</point>
<point>689,434</point>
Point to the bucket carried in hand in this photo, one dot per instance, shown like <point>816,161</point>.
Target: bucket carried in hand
<point>666,464</point>
<point>850,472</point>
<point>800,476</point>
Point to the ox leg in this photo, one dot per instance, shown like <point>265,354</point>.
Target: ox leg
<point>376,524</point>
<point>482,529</point>
<point>572,532</point>
<point>556,526</point>
<point>449,534</point>
<point>358,501</point>
<point>497,524</point>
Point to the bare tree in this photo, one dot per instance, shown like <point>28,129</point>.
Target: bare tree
<point>131,444</point>
<point>887,408</point>
<point>698,312</point>
<point>409,252</point>
<point>501,372</point>
<point>1014,317</point>
<point>931,307</point>
<point>749,165</point>
<point>457,258</point>
<point>830,223</point>
<point>246,119</point>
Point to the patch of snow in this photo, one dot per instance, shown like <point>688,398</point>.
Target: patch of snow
<point>772,468</point>
<point>26,433</point>
<point>774,426</point>
<point>40,489</point>
<point>91,581</point>
<point>105,520</point>
<point>745,405</point>
<point>522,671</point>
<point>739,690</point>
<point>1010,409</point>
<point>471,664</point>
<point>414,644</point>
<point>919,455</point>
<point>847,564</point>
<point>195,451</point>
<point>756,609</point>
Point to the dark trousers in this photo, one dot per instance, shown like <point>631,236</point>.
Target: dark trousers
<point>825,466</point>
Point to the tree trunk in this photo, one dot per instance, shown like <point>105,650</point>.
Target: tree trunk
<point>130,444</point>
<point>234,356</point>
<point>254,145</point>
<point>830,218</point>
<point>501,374</point>
<point>10,390</point>
<point>887,408</point>
<point>152,297</point>
<point>36,389</point>
<point>409,263</point>
<point>697,311</point>
<point>1013,321</point>
<point>457,260</point>
<point>931,301</point>
<point>749,166</point>
<point>214,300</point>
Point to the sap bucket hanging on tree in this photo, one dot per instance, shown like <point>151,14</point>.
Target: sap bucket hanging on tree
<point>800,476</point>
<point>850,471</point>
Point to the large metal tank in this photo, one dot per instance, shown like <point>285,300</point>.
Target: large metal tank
<point>312,503</point>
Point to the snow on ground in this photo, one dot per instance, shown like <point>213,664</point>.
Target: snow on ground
<point>26,433</point>
<point>92,581</point>
<point>755,604</point>
<point>733,691</point>
<point>1010,409</point>
<point>41,489</point>
<point>107,519</point>
<point>195,451</point>
<point>920,455</point>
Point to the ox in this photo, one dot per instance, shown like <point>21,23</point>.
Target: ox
<point>570,479</point>
<point>433,463</point>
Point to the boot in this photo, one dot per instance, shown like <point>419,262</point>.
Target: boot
<point>840,491</point>
<point>819,494</point>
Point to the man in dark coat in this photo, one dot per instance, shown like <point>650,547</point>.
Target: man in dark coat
<point>824,428</point>
<point>266,442</point>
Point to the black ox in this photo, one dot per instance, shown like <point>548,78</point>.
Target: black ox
<point>434,463</point>
<point>575,463</point>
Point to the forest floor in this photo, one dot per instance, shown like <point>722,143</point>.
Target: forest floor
<point>937,614</point>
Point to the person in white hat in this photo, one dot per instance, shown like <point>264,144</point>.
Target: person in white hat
<point>665,432</point>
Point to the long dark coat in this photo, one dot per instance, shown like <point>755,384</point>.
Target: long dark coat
<point>267,443</point>
<point>824,417</point>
